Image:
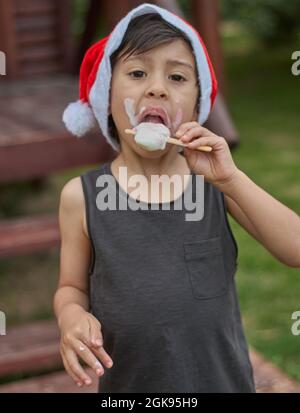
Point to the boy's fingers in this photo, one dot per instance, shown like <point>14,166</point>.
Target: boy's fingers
<point>197,131</point>
<point>68,369</point>
<point>71,374</point>
<point>186,127</point>
<point>76,368</point>
<point>97,348</point>
<point>88,357</point>
<point>198,141</point>
<point>102,355</point>
<point>95,334</point>
<point>205,140</point>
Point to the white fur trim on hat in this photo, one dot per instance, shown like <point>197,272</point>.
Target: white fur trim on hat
<point>79,118</point>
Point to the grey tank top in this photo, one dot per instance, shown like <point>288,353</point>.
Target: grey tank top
<point>163,289</point>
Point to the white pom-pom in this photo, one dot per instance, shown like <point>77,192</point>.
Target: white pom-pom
<point>79,118</point>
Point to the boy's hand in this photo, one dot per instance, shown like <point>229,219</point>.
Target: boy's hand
<point>217,166</point>
<point>81,336</point>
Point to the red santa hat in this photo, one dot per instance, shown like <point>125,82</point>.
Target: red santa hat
<point>95,76</point>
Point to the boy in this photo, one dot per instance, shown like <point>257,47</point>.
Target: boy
<point>146,290</point>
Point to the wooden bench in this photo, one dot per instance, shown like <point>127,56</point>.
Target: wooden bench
<point>33,147</point>
<point>33,140</point>
<point>24,235</point>
<point>29,348</point>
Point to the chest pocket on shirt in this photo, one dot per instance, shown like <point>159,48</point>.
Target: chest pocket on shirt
<point>205,263</point>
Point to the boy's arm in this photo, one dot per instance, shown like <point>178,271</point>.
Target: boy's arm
<point>270,222</point>
<point>239,216</point>
<point>81,336</point>
<point>75,253</point>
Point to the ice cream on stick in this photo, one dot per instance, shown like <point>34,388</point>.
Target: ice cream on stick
<point>155,136</point>
<point>152,136</point>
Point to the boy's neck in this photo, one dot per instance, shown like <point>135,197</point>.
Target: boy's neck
<point>170,164</point>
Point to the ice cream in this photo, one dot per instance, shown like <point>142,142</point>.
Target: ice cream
<point>129,105</point>
<point>152,136</point>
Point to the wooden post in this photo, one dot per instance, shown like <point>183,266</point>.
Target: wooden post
<point>115,11</point>
<point>91,22</point>
<point>67,41</point>
<point>111,11</point>
<point>206,19</point>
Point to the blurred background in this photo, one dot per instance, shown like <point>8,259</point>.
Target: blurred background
<point>251,42</point>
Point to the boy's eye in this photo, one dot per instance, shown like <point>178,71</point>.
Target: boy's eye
<point>136,71</point>
<point>183,79</point>
<point>141,71</point>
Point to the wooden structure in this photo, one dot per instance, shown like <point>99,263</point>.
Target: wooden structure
<point>35,36</point>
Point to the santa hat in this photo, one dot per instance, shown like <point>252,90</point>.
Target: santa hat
<point>95,76</point>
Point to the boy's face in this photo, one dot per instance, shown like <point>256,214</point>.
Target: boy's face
<point>150,80</point>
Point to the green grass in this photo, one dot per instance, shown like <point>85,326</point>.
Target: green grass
<point>264,102</point>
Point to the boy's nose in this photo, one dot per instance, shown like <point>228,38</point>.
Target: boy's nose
<point>157,90</point>
<point>157,93</point>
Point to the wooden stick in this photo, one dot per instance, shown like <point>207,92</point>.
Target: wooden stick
<point>176,141</point>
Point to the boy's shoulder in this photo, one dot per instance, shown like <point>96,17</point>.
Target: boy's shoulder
<point>72,201</point>
<point>72,193</point>
<point>72,196</point>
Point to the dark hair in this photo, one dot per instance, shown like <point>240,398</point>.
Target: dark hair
<point>143,34</point>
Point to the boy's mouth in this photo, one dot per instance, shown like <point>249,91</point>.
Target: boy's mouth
<point>153,119</point>
<point>155,115</point>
